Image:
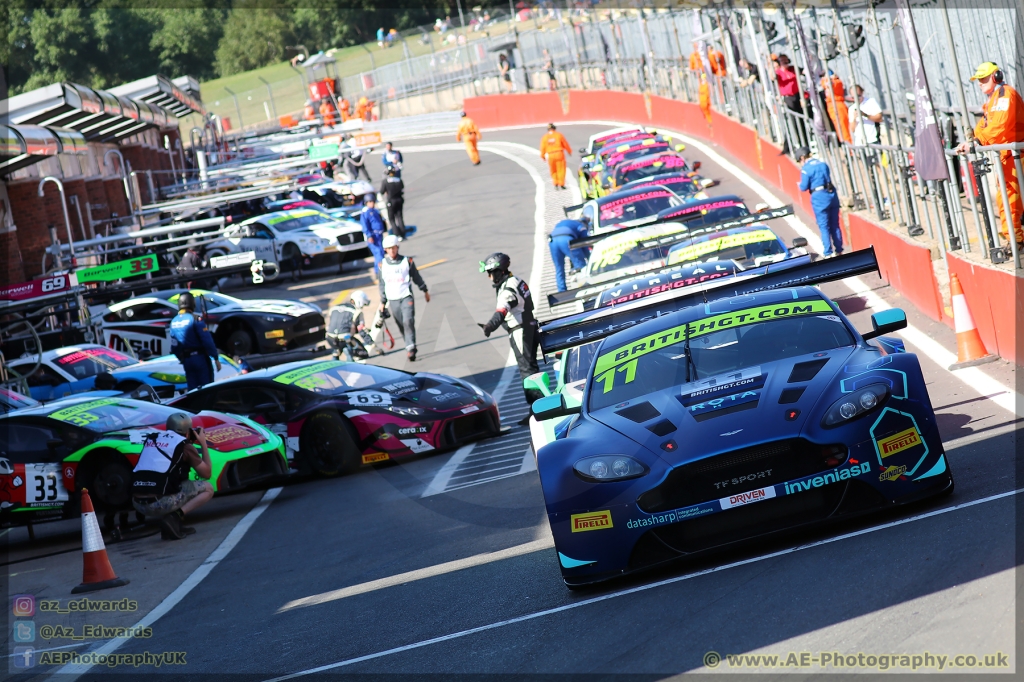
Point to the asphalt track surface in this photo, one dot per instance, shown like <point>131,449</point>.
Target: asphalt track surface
<point>937,577</point>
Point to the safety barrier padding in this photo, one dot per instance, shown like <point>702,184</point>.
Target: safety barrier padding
<point>996,299</point>
<point>993,295</point>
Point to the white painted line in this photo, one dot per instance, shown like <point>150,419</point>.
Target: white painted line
<point>440,481</point>
<point>641,588</point>
<point>171,600</point>
<point>419,574</point>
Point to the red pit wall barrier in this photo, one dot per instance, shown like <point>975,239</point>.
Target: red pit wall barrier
<point>996,298</point>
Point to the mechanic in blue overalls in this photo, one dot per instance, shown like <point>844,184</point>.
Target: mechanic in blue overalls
<point>192,343</point>
<point>816,178</point>
<point>373,230</point>
<point>567,231</point>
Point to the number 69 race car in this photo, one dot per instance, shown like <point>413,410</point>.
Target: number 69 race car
<point>749,407</point>
<point>49,452</point>
<point>336,416</point>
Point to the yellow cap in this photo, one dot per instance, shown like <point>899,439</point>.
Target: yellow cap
<point>984,71</point>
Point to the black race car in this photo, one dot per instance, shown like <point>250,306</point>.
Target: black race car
<point>335,416</point>
<point>239,327</point>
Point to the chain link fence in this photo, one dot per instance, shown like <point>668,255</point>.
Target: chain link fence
<point>650,51</point>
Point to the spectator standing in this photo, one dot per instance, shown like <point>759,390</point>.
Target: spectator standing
<point>704,97</point>
<point>865,119</point>
<point>397,275</point>
<point>717,61</point>
<point>504,71</point>
<point>549,66</point>
<point>1002,123</point>
<point>835,102</point>
<point>392,158</point>
<point>751,74</point>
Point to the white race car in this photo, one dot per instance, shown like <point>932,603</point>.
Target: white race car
<point>295,238</point>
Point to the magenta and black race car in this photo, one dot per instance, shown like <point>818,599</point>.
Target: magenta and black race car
<point>335,416</point>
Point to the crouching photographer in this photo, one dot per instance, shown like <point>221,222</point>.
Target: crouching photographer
<point>161,487</point>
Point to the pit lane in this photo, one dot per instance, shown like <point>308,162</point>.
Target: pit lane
<point>462,581</point>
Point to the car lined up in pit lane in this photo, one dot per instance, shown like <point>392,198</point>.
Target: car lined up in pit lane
<point>239,327</point>
<point>12,400</point>
<point>747,408</point>
<point>336,416</point>
<point>65,371</point>
<point>301,237</point>
<point>50,452</point>
<point>749,246</point>
<point>620,254</point>
<point>627,208</point>
<point>594,176</point>
<point>683,185</point>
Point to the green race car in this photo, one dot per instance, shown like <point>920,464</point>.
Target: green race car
<point>50,452</point>
<point>570,370</point>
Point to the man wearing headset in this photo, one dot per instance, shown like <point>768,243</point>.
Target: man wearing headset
<point>1002,123</point>
<point>192,343</point>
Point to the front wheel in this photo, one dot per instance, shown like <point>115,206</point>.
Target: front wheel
<point>327,446</point>
<point>240,343</point>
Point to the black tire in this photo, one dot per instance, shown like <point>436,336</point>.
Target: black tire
<point>109,481</point>
<point>240,343</point>
<point>327,446</point>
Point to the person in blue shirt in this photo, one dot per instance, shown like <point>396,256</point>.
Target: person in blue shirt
<point>192,343</point>
<point>373,230</point>
<point>566,231</point>
<point>392,158</point>
<point>816,178</point>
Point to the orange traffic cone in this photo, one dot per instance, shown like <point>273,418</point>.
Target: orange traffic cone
<point>970,350</point>
<point>97,573</point>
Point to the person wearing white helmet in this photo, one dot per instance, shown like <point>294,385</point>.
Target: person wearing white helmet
<point>346,329</point>
<point>397,275</point>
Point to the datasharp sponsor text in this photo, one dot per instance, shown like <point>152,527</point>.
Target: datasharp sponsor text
<point>598,520</point>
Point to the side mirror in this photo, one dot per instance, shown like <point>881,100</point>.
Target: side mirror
<point>583,150</point>
<point>538,382</point>
<point>552,407</point>
<point>760,207</point>
<point>695,165</point>
<point>885,322</point>
<point>799,243</point>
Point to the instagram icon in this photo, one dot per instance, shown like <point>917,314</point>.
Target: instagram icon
<point>24,605</point>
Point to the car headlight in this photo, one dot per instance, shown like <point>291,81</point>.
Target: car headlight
<point>855,404</point>
<point>606,468</point>
<point>276,319</point>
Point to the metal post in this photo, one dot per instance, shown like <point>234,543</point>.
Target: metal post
<point>170,154</point>
<point>1007,213</point>
<point>55,249</point>
<point>270,96</point>
<point>78,210</point>
<point>124,177</point>
<point>238,109</point>
<point>64,208</point>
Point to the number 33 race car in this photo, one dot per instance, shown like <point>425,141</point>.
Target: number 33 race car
<point>746,408</point>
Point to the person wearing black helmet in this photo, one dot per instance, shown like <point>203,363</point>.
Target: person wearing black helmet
<point>514,312</point>
<point>192,343</point>
<point>393,189</point>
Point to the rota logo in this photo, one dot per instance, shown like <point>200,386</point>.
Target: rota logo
<point>69,472</point>
<point>598,520</point>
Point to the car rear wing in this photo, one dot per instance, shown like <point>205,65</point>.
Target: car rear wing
<point>571,209</point>
<point>759,217</point>
<point>580,328</point>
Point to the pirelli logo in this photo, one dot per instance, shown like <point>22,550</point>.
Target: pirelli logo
<point>898,442</point>
<point>375,457</point>
<point>598,520</point>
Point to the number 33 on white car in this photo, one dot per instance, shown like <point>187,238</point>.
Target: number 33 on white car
<point>43,483</point>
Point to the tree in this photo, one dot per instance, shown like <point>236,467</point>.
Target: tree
<point>252,38</point>
<point>186,41</point>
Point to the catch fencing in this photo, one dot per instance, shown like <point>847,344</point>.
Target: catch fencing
<point>650,50</point>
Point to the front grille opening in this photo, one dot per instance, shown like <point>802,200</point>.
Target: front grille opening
<point>739,471</point>
<point>250,470</point>
<point>472,426</point>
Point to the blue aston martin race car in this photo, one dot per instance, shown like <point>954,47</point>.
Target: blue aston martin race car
<point>749,407</point>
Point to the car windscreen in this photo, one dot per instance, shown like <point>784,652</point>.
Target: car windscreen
<point>577,361</point>
<point>628,256</point>
<point>12,400</point>
<point>636,206</point>
<point>750,337</point>
<point>114,414</point>
<point>746,248</point>
<point>333,377</point>
<point>89,362</point>
<point>629,173</point>
<point>292,224</point>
